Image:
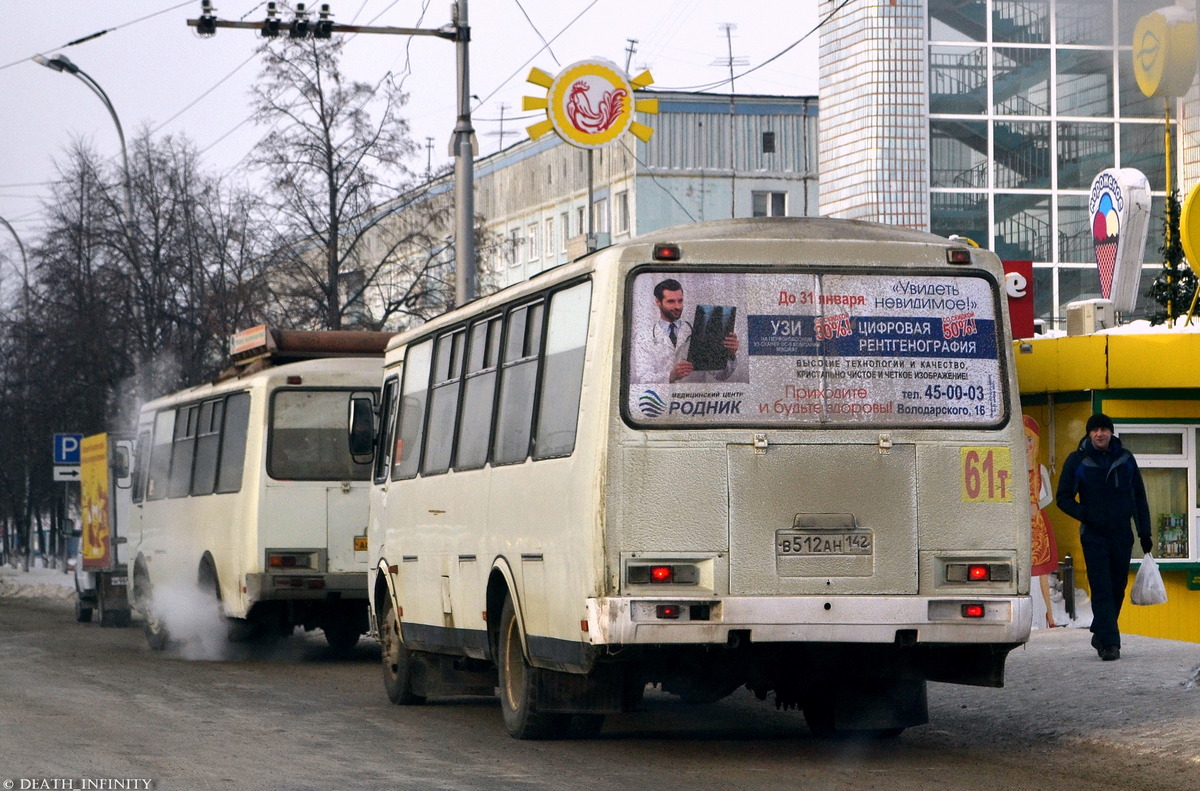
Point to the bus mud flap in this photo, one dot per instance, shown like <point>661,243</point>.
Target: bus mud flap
<point>974,665</point>
<point>599,692</point>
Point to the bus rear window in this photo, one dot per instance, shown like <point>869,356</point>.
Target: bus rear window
<point>308,437</point>
<point>897,348</point>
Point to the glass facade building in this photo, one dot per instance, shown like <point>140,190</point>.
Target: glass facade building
<point>1025,102</point>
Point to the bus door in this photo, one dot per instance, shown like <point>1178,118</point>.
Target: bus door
<point>346,521</point>
<point>822,519</point>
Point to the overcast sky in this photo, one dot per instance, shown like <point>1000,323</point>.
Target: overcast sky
<point>159,74</point>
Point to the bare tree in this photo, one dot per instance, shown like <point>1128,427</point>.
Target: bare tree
<point>328,164</point>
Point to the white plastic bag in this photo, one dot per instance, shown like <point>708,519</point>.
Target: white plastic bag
<point>1148,585</point>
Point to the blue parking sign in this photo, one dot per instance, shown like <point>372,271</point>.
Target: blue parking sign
<point>66,448</point>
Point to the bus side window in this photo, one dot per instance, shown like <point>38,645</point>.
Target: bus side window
<point>475,425</point>
<point>159,465</point>
<point>562,380</point>
<point>443,402</point>
<point>518,378</point>
<point>387,423</point>
<point>233,443</point>
<point>413,394</point>
<point>183,451</point>
<point>208,439</point>
<point>140,463</point>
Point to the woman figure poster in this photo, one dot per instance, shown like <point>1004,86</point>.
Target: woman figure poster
<point>1045,551</point>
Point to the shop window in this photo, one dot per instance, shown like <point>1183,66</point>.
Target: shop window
<point>1167,458</point>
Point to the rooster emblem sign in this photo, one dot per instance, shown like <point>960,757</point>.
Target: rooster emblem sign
<point>590,103</point>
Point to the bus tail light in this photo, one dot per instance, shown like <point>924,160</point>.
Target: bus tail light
<point>974,610</point>
<point>291,560</point>
<point>978,572</point>
<point>662,574</point>
<point>668,612</point>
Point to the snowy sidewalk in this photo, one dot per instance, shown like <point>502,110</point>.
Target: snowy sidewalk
<point>1057,688</point>
<point>37,583</point>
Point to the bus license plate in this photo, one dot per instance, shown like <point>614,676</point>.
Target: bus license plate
<point>789,543</point>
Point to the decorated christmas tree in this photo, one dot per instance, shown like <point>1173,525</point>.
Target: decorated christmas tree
<point>1175,284</point>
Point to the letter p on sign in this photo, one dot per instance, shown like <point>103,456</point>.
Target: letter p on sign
<point>66,448</point>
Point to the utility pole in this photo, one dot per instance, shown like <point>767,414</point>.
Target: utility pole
<point>461,146</point>
<point>24,518</point>
<point>629,52</point>
<point>501,133</point>
<point>727,28</point>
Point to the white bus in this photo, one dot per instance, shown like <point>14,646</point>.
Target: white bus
<point>779,453</point>
<point>247,489</point>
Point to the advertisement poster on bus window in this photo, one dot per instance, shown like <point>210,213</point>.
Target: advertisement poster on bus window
<point>770,348</point>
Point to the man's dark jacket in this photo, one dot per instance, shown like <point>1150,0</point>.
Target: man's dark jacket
<point>1110,490</point>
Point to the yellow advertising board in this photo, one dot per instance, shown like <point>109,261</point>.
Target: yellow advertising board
<point>590,103</point>
<point>95,510</point>
<point>1164,52</point>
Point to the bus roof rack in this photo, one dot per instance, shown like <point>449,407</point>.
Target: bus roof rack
<point>260,347</point>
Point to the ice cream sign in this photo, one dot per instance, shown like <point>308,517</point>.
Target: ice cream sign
<point>1120,209</point>
<point>590,103</point>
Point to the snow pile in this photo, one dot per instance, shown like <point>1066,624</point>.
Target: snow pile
<point>37,583</point>
<point>1058,605</point>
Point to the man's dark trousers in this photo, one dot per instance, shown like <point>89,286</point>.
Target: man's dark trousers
<point>1107,559</point>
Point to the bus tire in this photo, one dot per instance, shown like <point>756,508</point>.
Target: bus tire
<point>341,636</point>
<point>155,630</point>
<point>518,685</point>
<point>397,663</point>
<point>586,726</point>
<point>83,614</point>
<point>818,716</point>
<point>153,626</point>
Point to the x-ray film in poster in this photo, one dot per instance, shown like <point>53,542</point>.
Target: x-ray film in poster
<point>711,325</point>
<point>891,349</point>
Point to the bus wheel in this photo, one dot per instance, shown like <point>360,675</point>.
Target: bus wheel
<point>340,635</point>
<point>397,663</point>
<point>152,623</point>
<point>818,716</point>
<point>518,686</point>
<point>586,726</point>
<point>83,614</point>
<point>155,630</point>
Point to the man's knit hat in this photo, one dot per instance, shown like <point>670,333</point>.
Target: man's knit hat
<point>1099,420</point>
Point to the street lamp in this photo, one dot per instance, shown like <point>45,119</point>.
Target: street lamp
<point>63,63</point>
<point>24,401</point>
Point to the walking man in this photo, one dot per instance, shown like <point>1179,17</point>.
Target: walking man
<point>1101,486</point>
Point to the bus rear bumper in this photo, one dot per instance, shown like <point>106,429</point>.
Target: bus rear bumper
<point>315,585</point>
<point>791,619</point>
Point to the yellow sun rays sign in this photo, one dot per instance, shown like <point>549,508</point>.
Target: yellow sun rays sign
<point>590,103</point>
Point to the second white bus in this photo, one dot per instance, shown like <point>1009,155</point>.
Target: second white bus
<point>783,454</point>
<point>247,489</point>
